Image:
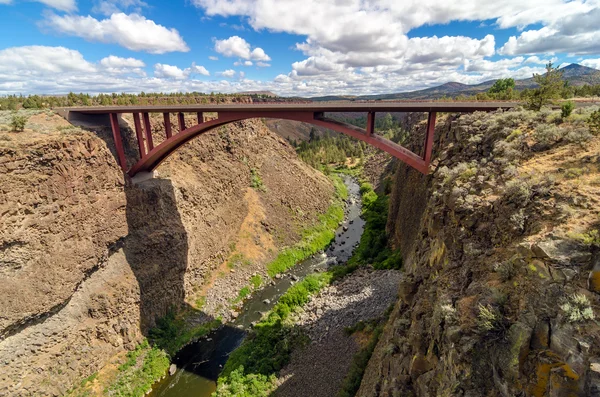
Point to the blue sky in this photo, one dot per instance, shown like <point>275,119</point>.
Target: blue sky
<point>291,47</point>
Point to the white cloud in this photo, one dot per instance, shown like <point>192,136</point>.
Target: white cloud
<point>244,63</point>
<point>350,40</point>
<point>538,61</point>
<point>263,64</point>
<point>591,63</point>
<point>169,72</point>
<point>229,73</point>
<point>133,31</point>
<point>42,60</point>
<point>118,62</point>
<point>173,72</point>
<point>574,34</point>
<point>117,65</point>
<point>236,46</point>
<point>196,69</point>
<point>213,58</point>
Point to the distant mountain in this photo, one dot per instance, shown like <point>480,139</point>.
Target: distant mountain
<point>575,74</point>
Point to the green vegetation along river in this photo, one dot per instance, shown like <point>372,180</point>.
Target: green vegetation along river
<point>200,363</point>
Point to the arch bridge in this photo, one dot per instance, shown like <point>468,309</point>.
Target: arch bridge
<point>150,156</point>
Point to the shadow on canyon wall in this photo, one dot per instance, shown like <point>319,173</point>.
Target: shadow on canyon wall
<point>156,246</point>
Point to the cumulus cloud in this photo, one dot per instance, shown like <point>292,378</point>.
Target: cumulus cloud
<point>43,60</point>
<point>575,33</point>
<point>45,70</point>
<point>229,73</point>
<point>133,31</point>
<point>173,72</point>
<point>118,62</point>
<point>213,58</point>
<point>351,40</point>
<point>591,63</point>
<point>236,46</point>
<point>117,65</point>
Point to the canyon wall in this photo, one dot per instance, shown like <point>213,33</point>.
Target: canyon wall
<point>499,293</point>
<point>89,261</point>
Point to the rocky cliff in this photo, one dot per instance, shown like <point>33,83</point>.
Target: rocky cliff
<point>500,242</point>
<point>88,261</point>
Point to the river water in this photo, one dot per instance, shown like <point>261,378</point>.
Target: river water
<point>199,363</point>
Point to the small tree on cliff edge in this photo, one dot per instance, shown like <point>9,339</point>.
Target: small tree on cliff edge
<point>550,86</point>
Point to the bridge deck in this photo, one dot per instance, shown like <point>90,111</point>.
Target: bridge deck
<point>305,107</point>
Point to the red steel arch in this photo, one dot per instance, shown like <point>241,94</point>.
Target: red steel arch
<point>158,154</point>
<point>313,113</point>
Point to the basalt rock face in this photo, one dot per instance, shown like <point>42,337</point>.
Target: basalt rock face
<point>88,261</point>
<point>496,282</point>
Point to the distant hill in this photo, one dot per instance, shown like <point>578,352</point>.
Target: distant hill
<point>575,74</point>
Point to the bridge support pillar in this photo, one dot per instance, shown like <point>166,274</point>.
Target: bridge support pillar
<point>141,177</point>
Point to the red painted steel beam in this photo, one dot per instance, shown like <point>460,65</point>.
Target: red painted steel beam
<point>148,130</point>
<point>167,119</point>
<point>139,135</point>
<point>114,123</point>
<point>429,137</point>
<point>181,120</point>
<point>370,123</point>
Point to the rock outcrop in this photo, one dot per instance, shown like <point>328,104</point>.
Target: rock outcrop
<point>498,297</point>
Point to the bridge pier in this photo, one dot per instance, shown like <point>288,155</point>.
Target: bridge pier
<point>143,177</point>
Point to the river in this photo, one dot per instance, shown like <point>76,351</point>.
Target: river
<point>199,363</point>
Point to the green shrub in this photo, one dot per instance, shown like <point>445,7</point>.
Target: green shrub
<point>238,384</point>
<point>566,109</point>
<point>256,281</point>
<point>256,181</point>
<point>594,122</point>
<point>578,135</point>
<point>373,247</point>
<point>547,134</point>
<point>590,238</point>
<point>365,187</point>
<point>17,122</point>
<point>143,367</point>
<point>517,191</point>
<point>577,308</point>
<point>490,320</point>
